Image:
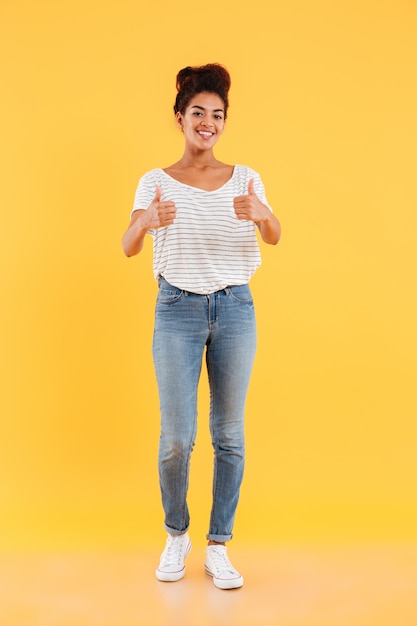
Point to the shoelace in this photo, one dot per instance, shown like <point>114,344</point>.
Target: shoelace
<point>221,561</point>
<point>172,552</point>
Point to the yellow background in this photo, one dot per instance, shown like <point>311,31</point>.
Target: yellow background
<point>323,105</point>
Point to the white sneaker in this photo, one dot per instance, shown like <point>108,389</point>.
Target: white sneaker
<point>220,568</point>
<point>171,566</point>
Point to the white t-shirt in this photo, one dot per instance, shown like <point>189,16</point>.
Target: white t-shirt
<point>207,247</point>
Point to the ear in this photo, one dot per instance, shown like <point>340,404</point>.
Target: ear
<point>178,117</point>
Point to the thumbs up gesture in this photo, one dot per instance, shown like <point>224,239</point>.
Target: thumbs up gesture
<point>249,207</point>
<point>160,213</point>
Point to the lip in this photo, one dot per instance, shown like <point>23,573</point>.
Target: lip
<point>205,133</point>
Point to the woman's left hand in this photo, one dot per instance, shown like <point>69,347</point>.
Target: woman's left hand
<point>249,207</point>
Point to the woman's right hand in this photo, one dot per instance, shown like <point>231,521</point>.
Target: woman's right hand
<point>158,213</point>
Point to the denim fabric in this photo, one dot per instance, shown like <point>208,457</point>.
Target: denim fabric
<point>186,324</point>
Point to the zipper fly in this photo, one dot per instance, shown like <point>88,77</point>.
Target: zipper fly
<point>213,306</point>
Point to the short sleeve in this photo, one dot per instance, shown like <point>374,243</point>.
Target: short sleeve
<point>145,192</point>
<point>260,190</point>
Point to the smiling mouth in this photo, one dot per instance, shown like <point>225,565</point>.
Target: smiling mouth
<point>205,133</point>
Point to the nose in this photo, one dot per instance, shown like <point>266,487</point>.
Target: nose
<point>206,122</point>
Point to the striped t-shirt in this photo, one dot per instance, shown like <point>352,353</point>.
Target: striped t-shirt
<point>207,247</point>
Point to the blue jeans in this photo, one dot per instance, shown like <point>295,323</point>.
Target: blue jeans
<point>186,324</point>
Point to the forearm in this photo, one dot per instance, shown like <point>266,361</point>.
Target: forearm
<point>270,229</point>
<point>133,239</point>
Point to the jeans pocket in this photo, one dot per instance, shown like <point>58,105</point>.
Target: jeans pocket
<point>168,294</point>
<point>241,293</point>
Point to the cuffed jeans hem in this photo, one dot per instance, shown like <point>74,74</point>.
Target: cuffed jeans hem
<point>173,532</point>
<point>219,538</point>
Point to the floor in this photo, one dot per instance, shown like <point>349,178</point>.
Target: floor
<point>284,586</point>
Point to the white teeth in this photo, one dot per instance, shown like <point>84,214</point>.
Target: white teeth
<point>201,132</point>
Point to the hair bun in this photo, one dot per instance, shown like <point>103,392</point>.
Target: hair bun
<point>183,76</point>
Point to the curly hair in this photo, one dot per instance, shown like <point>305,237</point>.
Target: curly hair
<point>213,78</point>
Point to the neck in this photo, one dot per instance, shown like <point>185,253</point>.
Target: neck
<point>197,159</point>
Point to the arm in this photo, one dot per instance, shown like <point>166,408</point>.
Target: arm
<point>270,228</point>
<point>133,239</point>
<point>249,207</point>
<point>157,215</point>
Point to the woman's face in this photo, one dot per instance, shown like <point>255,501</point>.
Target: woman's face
<point>203,121</point>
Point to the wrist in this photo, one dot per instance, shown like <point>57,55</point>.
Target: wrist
<point>266,215</point>
<point>143,221</point>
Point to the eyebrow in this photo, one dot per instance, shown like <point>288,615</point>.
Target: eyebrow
<point>197,106</point>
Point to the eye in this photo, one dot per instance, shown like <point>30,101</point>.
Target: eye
<point>218,117</point>
<point>197,113</point>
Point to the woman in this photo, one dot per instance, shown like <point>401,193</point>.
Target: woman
<point>203,215</point>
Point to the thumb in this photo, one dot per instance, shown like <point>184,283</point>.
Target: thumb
<point>251,184</point>
<point>158,193</point>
